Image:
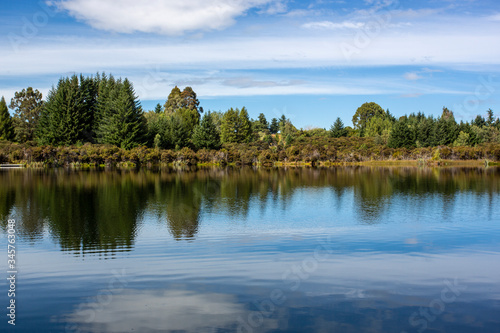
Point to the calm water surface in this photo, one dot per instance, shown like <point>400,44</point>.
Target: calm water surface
<point>242,250</point>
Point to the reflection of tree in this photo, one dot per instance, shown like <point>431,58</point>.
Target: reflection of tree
<point>183,204</point>
<point>99,211</point>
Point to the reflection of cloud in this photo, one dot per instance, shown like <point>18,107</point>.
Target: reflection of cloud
<point>153,310</point>
<point>411,241</point>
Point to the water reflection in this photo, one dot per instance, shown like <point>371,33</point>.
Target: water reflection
<point>102,211</point>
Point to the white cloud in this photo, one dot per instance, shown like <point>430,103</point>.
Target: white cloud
<point>495,17</point>
<point>332,25</point>
<point>412,76</point>
<point>169,17</point>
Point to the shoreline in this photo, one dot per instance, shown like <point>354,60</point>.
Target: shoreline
<point>296,164</point>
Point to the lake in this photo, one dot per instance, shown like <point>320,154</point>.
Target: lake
<point>347,249</point>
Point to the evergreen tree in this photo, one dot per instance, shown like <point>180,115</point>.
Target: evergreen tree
<point>158,108</point>
<point>274,126</point>
<point>446,128</point>
<point>401,134</point>
<point>205,134</point>
<point>491,118</point>
<point>6,127</point>
<point>62,121</point>
<point>338,130</point>
<point>122,123</point>
<point>229,126</point>
<point>282,123</point>
<point>179,134</point>
<point>245,133</point>
<point>479,121</point>
<point>262,119</point>
<point>425,132</point>
<point>462,139</point>
<point>27,105</point>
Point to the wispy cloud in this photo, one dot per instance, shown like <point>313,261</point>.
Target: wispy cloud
<point>169,17</point>
<point>247,82</point>
<point>332,25</point>
<point>412,76</point>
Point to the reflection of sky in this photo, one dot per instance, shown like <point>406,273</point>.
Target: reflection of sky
<point>214,280</point>
<point>389,257</point>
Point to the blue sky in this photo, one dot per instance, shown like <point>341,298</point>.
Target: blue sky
<point>310,60</point>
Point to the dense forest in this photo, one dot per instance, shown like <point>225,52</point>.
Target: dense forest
<point>99,120</point>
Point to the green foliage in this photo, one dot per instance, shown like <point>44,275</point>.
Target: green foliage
<point>27,105</point>
<point>205,134</point>
<point>401,134</point>
<point>338,130</point>
<point>446,128</point>
<point>186,99</point>
<point>66,117</point>
<point>6,127</point>
<point>274,126</point>
<point>462,140</point>
<point>379,128</point>
<point>229,126</point>
<point>245,133</point>
<point>236,126</point>
<point>363,115</point>
<point>174,101</point>
<point>122,121</point>
<point>491,118</point>
<point>158,108</point>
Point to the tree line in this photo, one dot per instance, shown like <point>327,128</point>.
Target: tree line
<point>101,109</point>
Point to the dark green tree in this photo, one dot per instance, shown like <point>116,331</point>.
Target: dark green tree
<point>122,123</point>
<point>205,134</point>
<point>491,118</point>
<point>245,133</point>
<point>229,126</point>
<point>63,120</point>
<point>27,105</point>
<point>446,128</point>
<point>6,127</point>
<point>274,126</point>
<point>338,130</point>
<point>158,108</point>
<point>401,134</point>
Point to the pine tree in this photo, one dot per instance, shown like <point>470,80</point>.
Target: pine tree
<point>446,128</point>
<point>158,108</point>
<point>205,134</point>
<point>274,126</point>
<point>491,118</point>
<point>338,130</point>
<point>401,134</point>
<point>123,123</point>
<point>6,127</point>
<point>27,105</point>
<point>245,133</point>
<point>229,126</point>
<point>63,121</point>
